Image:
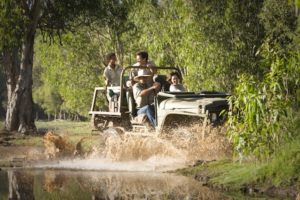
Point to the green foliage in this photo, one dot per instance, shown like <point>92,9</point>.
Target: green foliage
<point>70,74</point>
<point>230,35</point>
<point>169,31</point>
<point>280,23</point>
<point>48,98</point>
<point>260,111</point>
<point>211,41</point>
<point>262,104</point>
<point>11,24</point>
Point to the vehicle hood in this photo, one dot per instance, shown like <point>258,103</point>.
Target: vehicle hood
<point>191,103</point>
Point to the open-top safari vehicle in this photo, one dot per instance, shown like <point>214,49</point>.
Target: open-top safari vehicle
<point>171,108</point>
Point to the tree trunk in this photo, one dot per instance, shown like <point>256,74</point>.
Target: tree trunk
<point>12,66</point>
<point>20,114</point>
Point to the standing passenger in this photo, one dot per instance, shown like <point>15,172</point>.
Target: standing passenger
<point>112,75</point>
<point>113,71</point>
<point>142,60</point>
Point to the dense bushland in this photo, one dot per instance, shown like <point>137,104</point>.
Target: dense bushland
<point>247,48</point>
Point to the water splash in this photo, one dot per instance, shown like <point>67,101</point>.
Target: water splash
<point>158,164</point>
<point>137,152</point>
<point>137,147</point>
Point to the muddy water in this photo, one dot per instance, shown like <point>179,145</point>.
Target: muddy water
<point>85,184</point>
<point>128,166</point>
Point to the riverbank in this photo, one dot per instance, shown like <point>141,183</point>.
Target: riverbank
<point>279,177</point>
<point>16,149</point>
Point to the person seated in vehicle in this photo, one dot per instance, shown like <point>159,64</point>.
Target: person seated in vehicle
<point>176,85</point>
<point>144,95</point>
<point>142,60</point>
<point>112,74</point>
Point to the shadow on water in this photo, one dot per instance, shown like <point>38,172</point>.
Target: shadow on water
<point>30,184</point>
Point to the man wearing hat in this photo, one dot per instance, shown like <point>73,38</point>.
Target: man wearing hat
<point>144,95</point>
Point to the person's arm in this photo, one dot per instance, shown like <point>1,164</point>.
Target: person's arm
<point>106,77</point>
<point>153,69</point>
<point>151,65</point>
<point>155,87</point>
<point>132,74</point>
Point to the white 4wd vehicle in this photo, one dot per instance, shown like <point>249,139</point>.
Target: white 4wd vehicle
<point>170,107</point>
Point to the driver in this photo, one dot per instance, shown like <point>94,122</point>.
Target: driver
<point>144,95</point>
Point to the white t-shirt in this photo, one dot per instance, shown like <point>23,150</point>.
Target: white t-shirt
<point>113,75</point>
<point>135,71</point>
<point>177,88</point>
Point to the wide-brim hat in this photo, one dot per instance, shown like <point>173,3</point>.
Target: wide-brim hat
<point>142,73</point>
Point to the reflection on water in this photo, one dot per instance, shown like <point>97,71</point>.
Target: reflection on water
<point>65,184</point>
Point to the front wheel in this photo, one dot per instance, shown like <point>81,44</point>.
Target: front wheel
<point>99,123</point>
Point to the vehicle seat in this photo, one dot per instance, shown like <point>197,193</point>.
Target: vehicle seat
<point>162,79</point>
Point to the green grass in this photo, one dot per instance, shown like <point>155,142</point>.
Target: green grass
<point>36,141</point>
<point>230,174</point>
<point>67,127</point>
<point>283,170</point>
<point>72,131</point>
